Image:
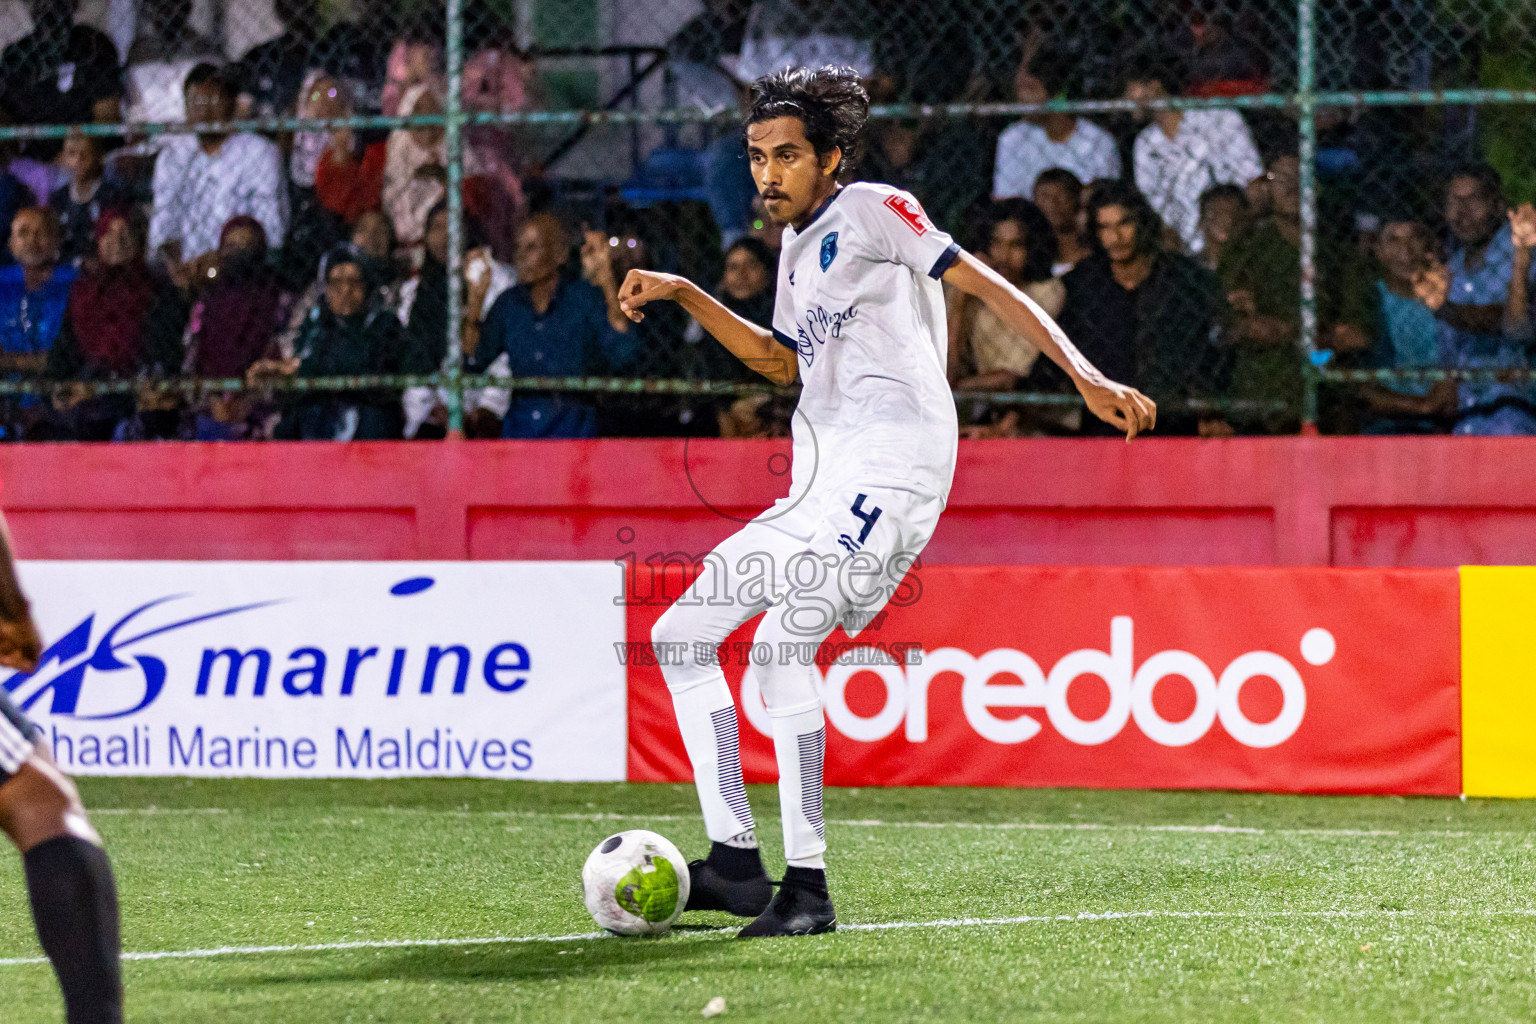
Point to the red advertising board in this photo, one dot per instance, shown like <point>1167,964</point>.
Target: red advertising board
<point>1302,680</point>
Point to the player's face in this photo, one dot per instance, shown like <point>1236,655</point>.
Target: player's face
<point>789,176</point>
<point>1117,233</point>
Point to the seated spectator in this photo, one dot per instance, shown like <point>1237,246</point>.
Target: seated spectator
<point>349,333</point>
<point>1261,275</point>
<point>62,73</point>
<point>747,289</point>
<point>1408,338</point>
<point>166,49</point>
<point>1059,195</point>
<point>15,196</point>
<point>1042,141</point>
<point>204,180</point>
<point>375,243</point>
<point>120,322</point>
<point>1224,215</point>
<point>1222,61</point>
<point>802,33</point>
<point>423,311</point>
<point>89,191</point>
<point>415,58</point>
<point>33,292</point>
<point>239,304</point>
<point>1181,153</point>
<point>415,167</point>
<point>270,76</point>
<point>1472,299</point>
<point>984,353</point>
<point>552,326</point>
<point>349,176</point>
<point>1145,316</point>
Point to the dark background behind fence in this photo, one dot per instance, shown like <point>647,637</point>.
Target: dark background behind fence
<point>268,218</point>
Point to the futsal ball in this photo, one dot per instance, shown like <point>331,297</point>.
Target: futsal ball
<point>636,883</point>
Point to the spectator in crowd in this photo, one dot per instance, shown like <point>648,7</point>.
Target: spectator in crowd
<point>1408,337</point>
<point>62,73</point>
<point>90,190</point>
<point>423,311</point>
<point>238,303</point>
<point>1224,215</point>
<point>795,33</point>
<point>349,177</point>
<point>1059,195</point>
<point>1181,153</point>
<point>1145,315</point>
<point>984,353</point>
<point>415,167</point>
<point>1261,275</point>
<point>166,49</point>
<point>203,180</point>
<point>271,75</point>
<point>349,333</point>
<point>549,326</point>
<point>1042,141</point>
<point>120,322</point>
<point>1471,298</point>
<point>1223,62</point>
<point>374,240</point>
<point>498,79</point>
<point>746,288</point>
<point>33,292</point>
<point>322,97</point>
<point>416,58</point>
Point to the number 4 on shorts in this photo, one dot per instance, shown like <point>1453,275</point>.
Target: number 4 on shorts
<point>857,508</point>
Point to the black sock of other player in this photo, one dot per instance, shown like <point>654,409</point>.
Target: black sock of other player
<point>74,904</point>
<point>813,880</point>
<point>734,863</point>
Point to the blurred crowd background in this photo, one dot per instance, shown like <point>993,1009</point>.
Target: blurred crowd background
<point>155,243</point>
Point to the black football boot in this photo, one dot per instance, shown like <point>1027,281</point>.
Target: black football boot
<point>801,907</point>
<point>729,879</point>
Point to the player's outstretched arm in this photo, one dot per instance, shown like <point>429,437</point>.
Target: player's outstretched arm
<point>1116,404</point>
<point>20,645</point>
<point>748,342</point>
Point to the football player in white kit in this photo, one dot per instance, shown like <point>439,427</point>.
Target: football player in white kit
<point>859,319</point>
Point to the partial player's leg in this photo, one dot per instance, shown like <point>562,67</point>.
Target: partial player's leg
<point>866,541</point>
<point>69,879</point>
<point>731,878</point>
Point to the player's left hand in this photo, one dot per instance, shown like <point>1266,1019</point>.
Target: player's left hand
<point>1121,407</point>
<point>20,644</point>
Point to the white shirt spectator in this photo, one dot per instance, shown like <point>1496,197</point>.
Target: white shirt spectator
<point>1211,147</point>
<point>781,34</point>
<point>195,194</point>
<point>1024,150</point>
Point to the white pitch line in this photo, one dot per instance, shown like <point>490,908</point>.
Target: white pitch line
<point>983,826</point>
<point>876,926</point>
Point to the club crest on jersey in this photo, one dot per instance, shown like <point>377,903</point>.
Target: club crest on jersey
<point>828,249</point>
<point>910,213</point>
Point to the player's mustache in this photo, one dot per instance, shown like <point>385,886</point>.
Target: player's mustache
<point>774,193</point>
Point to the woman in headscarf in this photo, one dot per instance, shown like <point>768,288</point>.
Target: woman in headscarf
<point>239,304</point>
<point>423,310</point>
<point>348,333</point>
<point>120,322</point>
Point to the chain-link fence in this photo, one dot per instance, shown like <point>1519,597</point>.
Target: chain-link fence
<point>385,218</point>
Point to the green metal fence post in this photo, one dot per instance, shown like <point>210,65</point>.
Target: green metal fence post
<point>454,143</point>
<point>1306,110</point>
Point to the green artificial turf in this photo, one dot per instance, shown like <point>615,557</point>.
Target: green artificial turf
<point>1199,907</point>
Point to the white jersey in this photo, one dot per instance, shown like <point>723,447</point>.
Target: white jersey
<point>859,301</point>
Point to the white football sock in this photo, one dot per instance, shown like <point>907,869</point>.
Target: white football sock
<point>706,716</point>
<point>799,743</point>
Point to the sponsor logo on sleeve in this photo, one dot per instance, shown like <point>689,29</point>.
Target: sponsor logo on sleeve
<point>910,213</point>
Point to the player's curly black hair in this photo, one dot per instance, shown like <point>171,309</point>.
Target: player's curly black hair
<point>829,101</point>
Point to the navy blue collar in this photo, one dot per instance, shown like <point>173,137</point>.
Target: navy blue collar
<point>821,209</point>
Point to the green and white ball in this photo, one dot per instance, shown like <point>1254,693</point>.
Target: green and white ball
<point>636,883</point>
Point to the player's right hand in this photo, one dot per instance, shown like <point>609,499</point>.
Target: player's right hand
<point>20,644</point>
<point>642,286</point>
